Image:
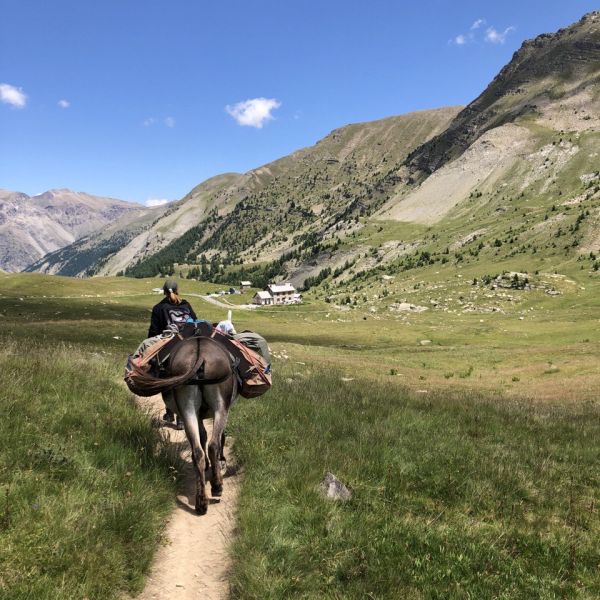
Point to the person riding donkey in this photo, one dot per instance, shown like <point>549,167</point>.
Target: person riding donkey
<point>200,369</point>
<point>171,310</point>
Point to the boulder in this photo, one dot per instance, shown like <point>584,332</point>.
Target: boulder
<point>333,489</point>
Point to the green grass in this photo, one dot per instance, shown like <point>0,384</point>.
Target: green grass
<point>377,232</point>
<point>85,480</point>
<point>455,495</point>
<point>38,285</point>
<point>466,483</point>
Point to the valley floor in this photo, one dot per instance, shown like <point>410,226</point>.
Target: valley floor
<point>468,439</point>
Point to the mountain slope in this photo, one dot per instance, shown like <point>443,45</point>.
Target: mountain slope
<point>32,226</point>
<point>553,78</point>
<point>95,249</point>
<point>255,214</point>
<point>350,171</point>
<point>113,249</point>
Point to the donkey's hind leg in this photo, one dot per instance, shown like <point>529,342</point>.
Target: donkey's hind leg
<point>222,455</point>
<point>203,441</point>
<point>215,450</point>
<point>188,399</point>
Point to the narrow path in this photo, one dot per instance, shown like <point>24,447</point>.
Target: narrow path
<point>194,560</point>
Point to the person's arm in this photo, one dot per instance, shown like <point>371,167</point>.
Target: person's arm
<point>192,313</point>
<point>155,324</point>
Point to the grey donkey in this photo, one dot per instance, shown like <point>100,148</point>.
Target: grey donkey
<point>210,394</point>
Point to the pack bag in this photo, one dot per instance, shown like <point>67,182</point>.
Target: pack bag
<point>141,364</point>
<point>254,370</point>
<point>254,342</point>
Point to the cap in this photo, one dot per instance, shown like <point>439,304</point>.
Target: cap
<point>170,286</point>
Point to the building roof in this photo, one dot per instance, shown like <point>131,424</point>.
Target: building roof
<point>245,283</point>
<point>277,288</point>
<point>263,295</point>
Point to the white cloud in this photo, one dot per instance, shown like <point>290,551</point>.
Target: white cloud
<point>462,38</point>
<point>9,94</point>
<point>170,122</point>
<point>492,35</point>
<point>497,37</point>
<point>64,103</point>
<point>149,121</point>
<point>253,113</point>
<point>156,202</point>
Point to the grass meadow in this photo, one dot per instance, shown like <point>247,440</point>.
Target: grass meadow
<point>86,481</point>
<point>456,495</point>
<point>473,459</point>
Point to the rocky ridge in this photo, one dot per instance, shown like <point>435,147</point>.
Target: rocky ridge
<point>33,226</point>
<point>553,69</point>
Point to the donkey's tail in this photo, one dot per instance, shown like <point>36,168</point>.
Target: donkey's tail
<point>142,383</point>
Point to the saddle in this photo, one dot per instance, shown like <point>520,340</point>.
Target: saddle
<point>148,375</point>
<point>186,331</point>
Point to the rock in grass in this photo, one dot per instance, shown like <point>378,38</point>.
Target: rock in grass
<point>333,489</point>
<point>407,307</point>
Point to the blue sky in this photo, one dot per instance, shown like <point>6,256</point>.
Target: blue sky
<point>144,99</point>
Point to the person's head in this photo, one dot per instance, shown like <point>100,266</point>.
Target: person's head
<point>170,290</point>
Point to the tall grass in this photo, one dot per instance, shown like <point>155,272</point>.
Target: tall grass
<point>85,482</point>
<point>455,496</point>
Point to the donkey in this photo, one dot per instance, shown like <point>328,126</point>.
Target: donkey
<point>211,393</point>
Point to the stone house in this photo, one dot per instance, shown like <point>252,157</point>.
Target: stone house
<point>282,293</point>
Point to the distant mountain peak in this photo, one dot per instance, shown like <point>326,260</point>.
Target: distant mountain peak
<point>32,226</point>
<point>52,193</point>
<point>55,191</point>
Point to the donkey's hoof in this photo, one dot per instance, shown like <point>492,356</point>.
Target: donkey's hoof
<point>201,509</point>
<point>216,491</point>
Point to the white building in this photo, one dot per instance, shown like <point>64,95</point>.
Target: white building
<point>282,293</point>
<point>245,285</point>
<point>262,298</point>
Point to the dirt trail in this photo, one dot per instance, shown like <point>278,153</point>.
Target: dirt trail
<point>223,303</point>
<point>194,561</point>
